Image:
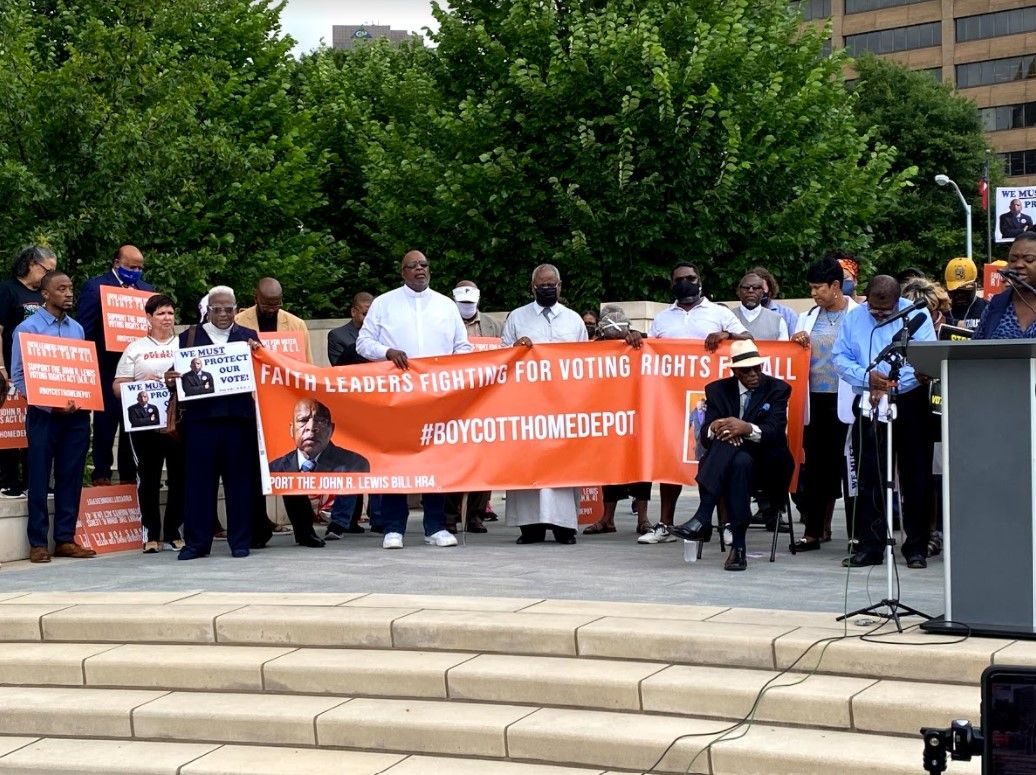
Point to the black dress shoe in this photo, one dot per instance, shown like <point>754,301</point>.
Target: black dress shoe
<point>861,560</point>
<point>475,526</point>
<point>916,562</point>
<point>736,560</point>
<point>693,530</point>
<point>565,540</point>
<point>802,545</point>
<point>532,540</point>
<point>311,542</point>
<point>354,529</point>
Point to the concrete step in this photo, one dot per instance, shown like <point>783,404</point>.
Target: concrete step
<point>799,699</point>
<point>550,736</point>
<point>57,756</point>
<point>729,638</point>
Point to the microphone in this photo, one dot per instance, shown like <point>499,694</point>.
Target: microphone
<point>1014,278</point>
<point>919,304</point>
<point>900,340</point>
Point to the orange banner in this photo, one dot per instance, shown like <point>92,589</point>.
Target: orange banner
<point>288,343</point>
<point>122,316</point>
<point>482,343</point>
<point>12,423</point>
<point>59,370</point>
<point>109,519</point>
<point>553,415</point>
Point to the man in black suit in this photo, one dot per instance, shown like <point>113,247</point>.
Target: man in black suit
<point>311,429</point>
<point>143,413</point>
<point>1014,221</point>
<point>197,382</point>
<point>746,448</point>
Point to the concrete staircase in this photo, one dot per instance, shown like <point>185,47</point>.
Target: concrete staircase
<point>189,682</point>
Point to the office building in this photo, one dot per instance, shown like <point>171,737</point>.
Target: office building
<point>346,36</point>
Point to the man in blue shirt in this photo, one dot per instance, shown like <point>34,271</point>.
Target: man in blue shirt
<point>58,437</point>
<point>861,338</point>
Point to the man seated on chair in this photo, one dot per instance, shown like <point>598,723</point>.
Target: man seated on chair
<point>746,448</point>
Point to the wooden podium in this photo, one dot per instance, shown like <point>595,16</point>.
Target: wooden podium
<point>988,483</point>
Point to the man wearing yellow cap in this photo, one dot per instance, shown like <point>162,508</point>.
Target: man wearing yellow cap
<point>961,283</point>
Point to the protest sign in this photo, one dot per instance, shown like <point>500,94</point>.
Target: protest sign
<point>553,415</point>
<point>290,343</point>
<point>109,519</point>
<point>122,316</point>
<point>591,505</point>
<point>1009,223</point>
<point>145,406</point>
<point>12,423</point>
<point>483,343</point>
<point>59,370</point>
<point>214,370</point>
<point>992,283</point>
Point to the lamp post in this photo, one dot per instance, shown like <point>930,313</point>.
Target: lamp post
<point>944,180</point>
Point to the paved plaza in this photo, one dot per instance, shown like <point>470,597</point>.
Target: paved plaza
<point>602,567</point>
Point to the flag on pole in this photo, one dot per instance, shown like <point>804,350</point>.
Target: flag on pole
<point>983,185</point>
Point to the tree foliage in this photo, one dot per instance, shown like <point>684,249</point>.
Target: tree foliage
<point>938,132</point>
<point>169,125</point>
<point>615,138</point>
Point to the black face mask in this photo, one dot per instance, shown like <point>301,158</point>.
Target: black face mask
<point>546,297</point>
<point>686,290</point>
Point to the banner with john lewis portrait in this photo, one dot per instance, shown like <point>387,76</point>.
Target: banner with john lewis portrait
<point>1015,213</point>
<point>553,415</point>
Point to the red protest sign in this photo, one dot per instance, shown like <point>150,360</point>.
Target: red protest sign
<point>483,343</point>
<point>12,423</point>
<point>59,370</point>
<point>109,519</point>
<point>122,316</point>
<point>289,343</point>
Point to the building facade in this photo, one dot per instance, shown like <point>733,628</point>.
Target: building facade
<point>985,48</point>
<point>346,36</point>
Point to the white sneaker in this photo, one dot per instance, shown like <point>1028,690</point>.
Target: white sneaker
<point>659,535</point>
<point>392,541</point>
<point>442,538</point>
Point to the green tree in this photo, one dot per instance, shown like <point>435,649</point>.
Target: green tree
<point>169,125</point>
<point>615,138</point>
<point>939,132</point>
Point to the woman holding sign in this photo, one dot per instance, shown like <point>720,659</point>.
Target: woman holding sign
<point>139,380</point>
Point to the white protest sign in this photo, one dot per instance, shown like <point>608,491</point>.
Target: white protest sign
<point>214,370</point>
<point>145,406</point>
<point>1009,223</point>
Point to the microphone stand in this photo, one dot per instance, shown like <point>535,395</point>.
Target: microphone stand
<point>895,358</point>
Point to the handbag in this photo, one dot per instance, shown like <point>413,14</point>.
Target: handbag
<point>174,413</point>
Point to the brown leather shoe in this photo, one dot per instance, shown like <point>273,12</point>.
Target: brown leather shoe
<point>39,554</point>
<point>73,550</point>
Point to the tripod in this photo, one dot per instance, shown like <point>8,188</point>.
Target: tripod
<point>895,356</point>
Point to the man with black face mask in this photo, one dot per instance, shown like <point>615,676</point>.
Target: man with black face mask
<point>126,272</point>
<point>692,316</point>
<point>965,306</point>
<point>267,315</point>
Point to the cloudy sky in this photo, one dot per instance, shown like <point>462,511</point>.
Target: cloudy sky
<point>310,20</point>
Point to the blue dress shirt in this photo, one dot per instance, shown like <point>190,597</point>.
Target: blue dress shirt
<point>40,322</point>
<point>860,339</point>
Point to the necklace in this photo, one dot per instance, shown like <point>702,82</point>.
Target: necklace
<point>832,320</point>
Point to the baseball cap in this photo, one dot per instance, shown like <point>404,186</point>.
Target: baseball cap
<point>960,271</point>
<point>466,293</point>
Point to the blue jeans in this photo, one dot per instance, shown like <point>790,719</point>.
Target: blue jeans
<point>394,513</point>
<point>342,510</point>
<point>57,441</point>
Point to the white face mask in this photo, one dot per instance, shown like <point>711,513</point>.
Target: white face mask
<point>467,309</point>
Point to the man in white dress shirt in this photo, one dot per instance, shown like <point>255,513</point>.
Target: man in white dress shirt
<point>412,321</point>
<point>544,320</point>
<point>691,316</point>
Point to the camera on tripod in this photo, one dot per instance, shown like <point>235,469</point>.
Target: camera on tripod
<point>1007,739</point>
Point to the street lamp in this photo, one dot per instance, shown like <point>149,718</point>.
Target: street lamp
<point>944,180</point>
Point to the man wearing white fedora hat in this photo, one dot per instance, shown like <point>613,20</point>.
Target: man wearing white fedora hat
<point>746,448</point>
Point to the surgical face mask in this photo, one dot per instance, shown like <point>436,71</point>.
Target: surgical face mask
<point>684,289</point>
<point>546,296</point>
<point>129,276</point>
<point>848,286</point>
<point>467,309</point>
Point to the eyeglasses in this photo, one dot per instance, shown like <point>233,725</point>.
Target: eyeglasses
<point>416,265</point>
<point>751,287</point>
<point>547,286</point>
<point>221,310</point>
